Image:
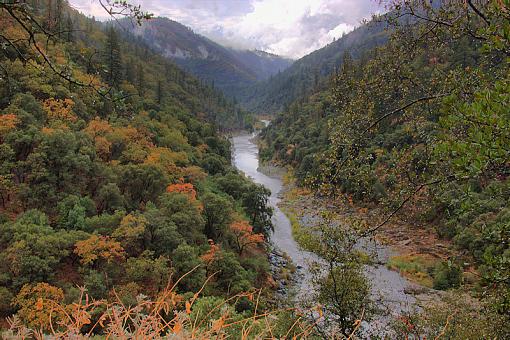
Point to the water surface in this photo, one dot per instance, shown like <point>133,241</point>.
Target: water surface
<point>389,289</point>
<point>246,159</point>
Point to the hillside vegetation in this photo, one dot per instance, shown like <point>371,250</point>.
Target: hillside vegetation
<point>233,71</point>
<point>114,178</point>
<point>121,215</point>
<point>420,127</point>
<point>312,71</point>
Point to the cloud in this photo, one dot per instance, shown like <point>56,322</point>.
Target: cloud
<point>290,28</point>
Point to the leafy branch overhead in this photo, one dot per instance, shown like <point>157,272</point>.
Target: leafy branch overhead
<point>37,32</point>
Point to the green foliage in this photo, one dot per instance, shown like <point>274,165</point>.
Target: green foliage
<point>151,273</point>
<point>418,126</point>
<point>447,275</point>
<point>32,248</point>
<point>217,211</point>
<point>457,317</point>
<point>140,184</point>
<point>475,135</point>
<point>338,275</point>
<point>231,277</point>
<point>90,141</point>
<point>96,284</point>
<point>185,260</point>
<point>5,301</point>
<point>73,210</point>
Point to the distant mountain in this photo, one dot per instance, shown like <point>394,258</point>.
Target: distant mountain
<point>263,64</point>
<point>229,69</point>
<point>305,74</point>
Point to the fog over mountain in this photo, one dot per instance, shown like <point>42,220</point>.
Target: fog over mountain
<point>288,28</point>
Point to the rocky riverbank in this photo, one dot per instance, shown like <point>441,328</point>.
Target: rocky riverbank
<point>393,293</point>
<point>286,275</point>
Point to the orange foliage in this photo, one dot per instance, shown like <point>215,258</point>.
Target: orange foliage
<point>39,304</point>
<point>98,247</point>
<point>210,255</point>
<point>7,123</point>
<point>130,134</point>
<point>151,316</point>
<point>98,127</point>
<point>58,109</point>
<point>103,147</point>
<point>244,236</point>
<point>89,79</point>
<point>183,188</point>
<point>350,200</point>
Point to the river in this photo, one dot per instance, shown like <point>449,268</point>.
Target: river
<point>389,289</point>
<point>246,159</point>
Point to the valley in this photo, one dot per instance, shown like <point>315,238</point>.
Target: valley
<point>392,294</point>
<point>220,169</point>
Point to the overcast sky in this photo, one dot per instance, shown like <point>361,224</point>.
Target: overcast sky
<point>291,28</point>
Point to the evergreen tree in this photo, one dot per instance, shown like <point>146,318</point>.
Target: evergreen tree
<point>159,92</point>
<point>112,58</point>
<point>59,9</point>
<point>69,29</point>
<point>140,79</point>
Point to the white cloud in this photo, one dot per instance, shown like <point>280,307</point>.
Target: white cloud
<point>287,27</point>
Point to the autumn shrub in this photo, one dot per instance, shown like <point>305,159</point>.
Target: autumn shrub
<point>36,306</point>
<point>128,314</point>
<point>457,317</point>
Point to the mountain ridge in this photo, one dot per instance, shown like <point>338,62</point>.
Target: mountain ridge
<point>305,74</point>
<point>229,69</point>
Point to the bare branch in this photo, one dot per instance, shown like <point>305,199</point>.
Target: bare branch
<point>400,206</point>
<point>402,108</point>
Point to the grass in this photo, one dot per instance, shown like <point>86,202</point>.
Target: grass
<point>299,233</point>
<point>415,267</point>
<point>169,315</point>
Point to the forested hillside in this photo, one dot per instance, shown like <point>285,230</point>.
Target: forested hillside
<point>308,73</point>
<point>114,178</point>
<point>230,70</point>
<point>122,216</point>
<point>420,127</point>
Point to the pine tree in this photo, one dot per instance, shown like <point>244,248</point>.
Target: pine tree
<point>69,29</point>
<point>159,93</point>
<point>140,79</point>
<point>59,8</point>
<point>49,15</point>
<point>130,71</point>
<point>112,58</point>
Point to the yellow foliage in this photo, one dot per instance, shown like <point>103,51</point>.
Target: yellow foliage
<point>152,317</point>
<point>14,33</point>
<point>167,159</point>
<point>88,79</point>
<point>131,228</point>
<point>194,173</point>
<point>98,248</point>
<point>103,147</point>
<point>39,304</point>
<point>131,134</point>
